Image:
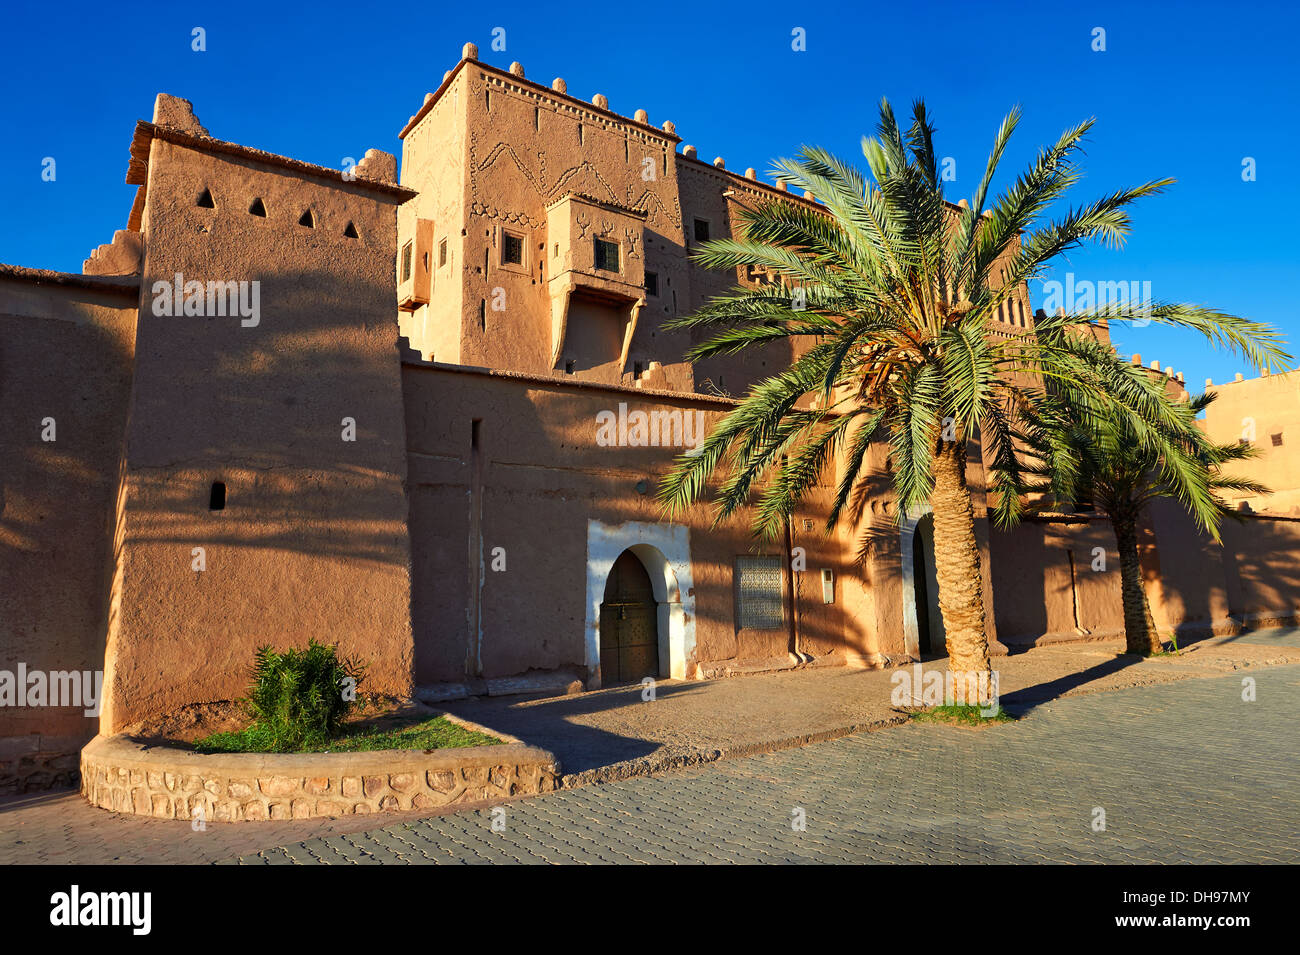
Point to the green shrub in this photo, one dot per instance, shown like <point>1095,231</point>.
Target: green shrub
<point>298,697</point>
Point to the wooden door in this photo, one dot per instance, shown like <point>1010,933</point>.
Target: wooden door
<point>629,625</point>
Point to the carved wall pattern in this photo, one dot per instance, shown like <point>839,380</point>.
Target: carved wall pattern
<point>648,202</point>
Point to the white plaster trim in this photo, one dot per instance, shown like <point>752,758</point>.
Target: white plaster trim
<point>665,552</point>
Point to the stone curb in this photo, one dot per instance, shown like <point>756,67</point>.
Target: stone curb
<point>166,782</point>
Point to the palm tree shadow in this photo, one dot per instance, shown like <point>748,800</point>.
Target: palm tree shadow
<point>1020,702</point>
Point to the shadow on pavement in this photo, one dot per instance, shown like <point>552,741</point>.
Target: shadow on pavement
<point>550,723</point>
<point>1019,702</point>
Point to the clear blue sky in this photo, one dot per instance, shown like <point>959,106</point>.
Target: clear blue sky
<point>1185,90</point>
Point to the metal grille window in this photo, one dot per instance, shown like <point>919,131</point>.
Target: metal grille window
<point>512,249</point>
<point>606,255</point>
<point>758,593</point>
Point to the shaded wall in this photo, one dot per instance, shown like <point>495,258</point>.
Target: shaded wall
<point>1056,579</point>
<point>1262,569</point>
<point>1046,584</point>
<point>65,354</point>
<point>527,478</point>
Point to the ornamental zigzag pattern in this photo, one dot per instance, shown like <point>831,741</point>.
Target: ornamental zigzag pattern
<point>648,202</point>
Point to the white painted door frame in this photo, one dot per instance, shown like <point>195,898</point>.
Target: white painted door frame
<point>665,552</point>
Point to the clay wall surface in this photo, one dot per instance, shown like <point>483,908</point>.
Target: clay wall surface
<point>65,354</point>
<point>312,539</point>
<point>1261,564</point>
<point>434,155</point>
<point>1266,412</point>
<point>531,486</point>
<point>1045,582</point>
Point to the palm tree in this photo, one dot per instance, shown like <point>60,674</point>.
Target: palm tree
<point>1085,455</point>
<point>896,290</point>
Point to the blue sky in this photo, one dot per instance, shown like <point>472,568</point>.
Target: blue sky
<point>1186,90</point>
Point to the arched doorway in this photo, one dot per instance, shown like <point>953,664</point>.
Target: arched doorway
<point>629,623</point>
<point>929,620</point>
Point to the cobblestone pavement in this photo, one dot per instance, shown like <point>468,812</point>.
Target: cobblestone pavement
<point>1185,772</point>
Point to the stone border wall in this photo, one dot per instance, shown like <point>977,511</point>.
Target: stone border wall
<point>33,763</point>
<point>166,782</point>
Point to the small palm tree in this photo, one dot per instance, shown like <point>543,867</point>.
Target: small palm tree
<point>893,291</point>
<point>1084,455</point>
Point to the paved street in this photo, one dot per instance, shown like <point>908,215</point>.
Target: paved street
<point>1185,772</point>
<point>1182,767</point>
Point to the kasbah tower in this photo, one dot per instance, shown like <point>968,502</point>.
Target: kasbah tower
<point>425,420</point>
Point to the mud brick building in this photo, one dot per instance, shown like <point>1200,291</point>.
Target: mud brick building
<point>424,417</point>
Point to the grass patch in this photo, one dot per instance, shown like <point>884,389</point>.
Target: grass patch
<point>436,733</point>
<point>963,714</point>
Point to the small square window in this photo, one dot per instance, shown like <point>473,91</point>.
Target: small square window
<point>606,255</point>
<point>406,262</point>
<point>1276,438</point>
<point>652,283</point>
<point>701,230</point>
<point>442,253</point>
<point>512,249</point>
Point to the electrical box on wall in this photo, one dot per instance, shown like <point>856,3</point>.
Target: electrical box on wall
<point>828,586</point>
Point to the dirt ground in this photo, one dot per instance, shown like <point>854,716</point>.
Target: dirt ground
<point>227,716</point>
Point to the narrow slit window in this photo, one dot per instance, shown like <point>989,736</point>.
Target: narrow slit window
<point>217,496</point>
<point>442,253</point>
<point>406,262</point>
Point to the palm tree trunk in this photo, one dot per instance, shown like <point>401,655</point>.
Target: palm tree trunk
<point>957,571</point>
<point>1139,626</point>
